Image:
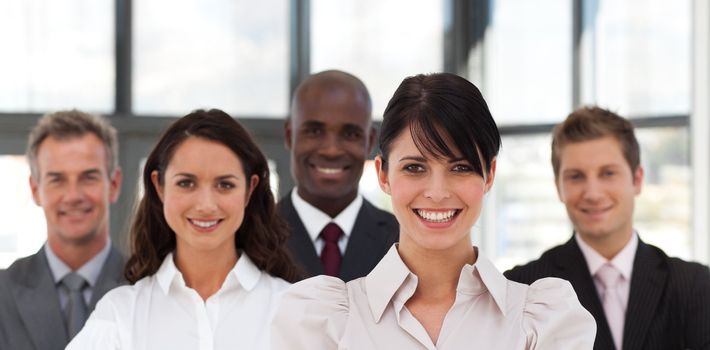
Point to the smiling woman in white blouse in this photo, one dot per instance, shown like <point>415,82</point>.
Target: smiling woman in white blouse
<point>208,251</point>
<point>434,290</point>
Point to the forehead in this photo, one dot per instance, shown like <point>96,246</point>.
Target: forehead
<point>594,153</point>
<point>332,104</point>
<point>73,153</point>
<point>405,144</point>
<point>200,156</point>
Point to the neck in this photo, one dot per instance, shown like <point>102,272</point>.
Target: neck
<point>75,255</point>
<point>205,271</point>
<point>437,271</point>
<point>330,206</point>
<point>608,246</point>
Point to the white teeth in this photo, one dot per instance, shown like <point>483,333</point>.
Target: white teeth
<point>329,170</point>
<point>436,216</point>
<point>204,224</point>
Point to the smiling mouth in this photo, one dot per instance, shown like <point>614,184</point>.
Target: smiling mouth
<point>437,216</point>
<point>75,212</point>
<point>595,211</point>
<point>203,223</point>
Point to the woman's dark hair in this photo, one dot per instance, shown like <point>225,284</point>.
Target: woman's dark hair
<point>263,233</point>
<point>440,108</point>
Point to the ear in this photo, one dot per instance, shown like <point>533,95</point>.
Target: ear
<point>253,182</point>
<point>638,179</point>
<point>382,178</point>
<point>34,186</point>
<point>115,185</point>
<point>491,175</point>
<point>288,134</point>
<point>371,139</point>
<point>156,184</point>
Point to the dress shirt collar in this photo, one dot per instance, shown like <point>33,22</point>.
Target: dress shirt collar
<point>391,280</point>
<point>90,271</point>
<point>244,273</point>
<point>623,261</point>
<point>315,220</point>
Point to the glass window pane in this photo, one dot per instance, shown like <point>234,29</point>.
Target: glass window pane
<point>529,218</point>
<point>380,41</point>
<point>225,54</point>
<point>640,56</point>
<point>527,70</point>
<point>57,54</point>
<point>24,228</point>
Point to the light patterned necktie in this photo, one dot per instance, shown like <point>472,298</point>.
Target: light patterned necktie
<point>615,311</point>
<point>75,311</point>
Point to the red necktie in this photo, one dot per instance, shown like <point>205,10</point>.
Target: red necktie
<point>330,255</point>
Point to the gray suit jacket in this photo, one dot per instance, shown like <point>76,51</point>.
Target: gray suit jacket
<point>669,299</point>
<point>30,314</point>
<point>373,234</point>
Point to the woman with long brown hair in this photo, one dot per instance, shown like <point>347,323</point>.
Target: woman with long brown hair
<point>209,254</point>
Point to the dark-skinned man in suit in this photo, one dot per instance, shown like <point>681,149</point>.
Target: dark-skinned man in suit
<point>329,134</point>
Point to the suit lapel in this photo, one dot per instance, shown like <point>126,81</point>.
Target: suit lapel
<point>299,242</point>
<point>38,305</point>
<point>648,279</point>
<point>359,255</point>
<point>571,262</point>
<point>109,278</point>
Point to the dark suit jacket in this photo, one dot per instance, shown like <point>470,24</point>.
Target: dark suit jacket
<point>373,234</point>
<point>30,315</point>
<point>669,299</point>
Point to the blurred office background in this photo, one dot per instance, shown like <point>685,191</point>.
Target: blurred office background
<point>144,62</point>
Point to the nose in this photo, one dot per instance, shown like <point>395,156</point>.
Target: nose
<point>437,188</point>
<point>74,193</point>
<point>206,201</point>
<point>593,191</point>
<point>331,146</point>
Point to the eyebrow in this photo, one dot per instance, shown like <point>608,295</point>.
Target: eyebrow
<point>221,177</point>
<point>424,159</point>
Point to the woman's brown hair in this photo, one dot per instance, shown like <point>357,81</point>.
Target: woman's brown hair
<point>263,233</point>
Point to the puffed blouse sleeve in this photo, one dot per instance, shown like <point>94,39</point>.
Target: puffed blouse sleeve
<point>553,318</point>
<point>101,329</point>
<point>311,315</point>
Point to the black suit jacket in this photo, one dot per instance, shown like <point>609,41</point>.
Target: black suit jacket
<point>373,234</point>
<point>669,299</point>
<point>30,315</point>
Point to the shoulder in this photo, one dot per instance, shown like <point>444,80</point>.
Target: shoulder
<point>326,291</point>
<point>25,267</point>
<point>536,269</point>
<point>372,211</point>
<point>274,284</point>
<point>554,318</point>
<point>311,313</point>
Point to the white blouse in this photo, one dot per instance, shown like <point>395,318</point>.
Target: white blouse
<point>161,312</point>
<point>489,312</point>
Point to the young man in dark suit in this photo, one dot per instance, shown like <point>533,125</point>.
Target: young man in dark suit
<point>46,297</point>
<point>329,134</point>
<point>641,298</point>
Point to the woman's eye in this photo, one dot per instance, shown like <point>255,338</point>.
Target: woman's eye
<point>225,185</point>
<point>462,168</point>
<point>185,183</point>
<point>413,168</point>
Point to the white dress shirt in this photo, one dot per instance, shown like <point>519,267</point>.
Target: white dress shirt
<point>489,312</point>
<point>623,262</point>
<point>315,220</point>
<point>161,312</point>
